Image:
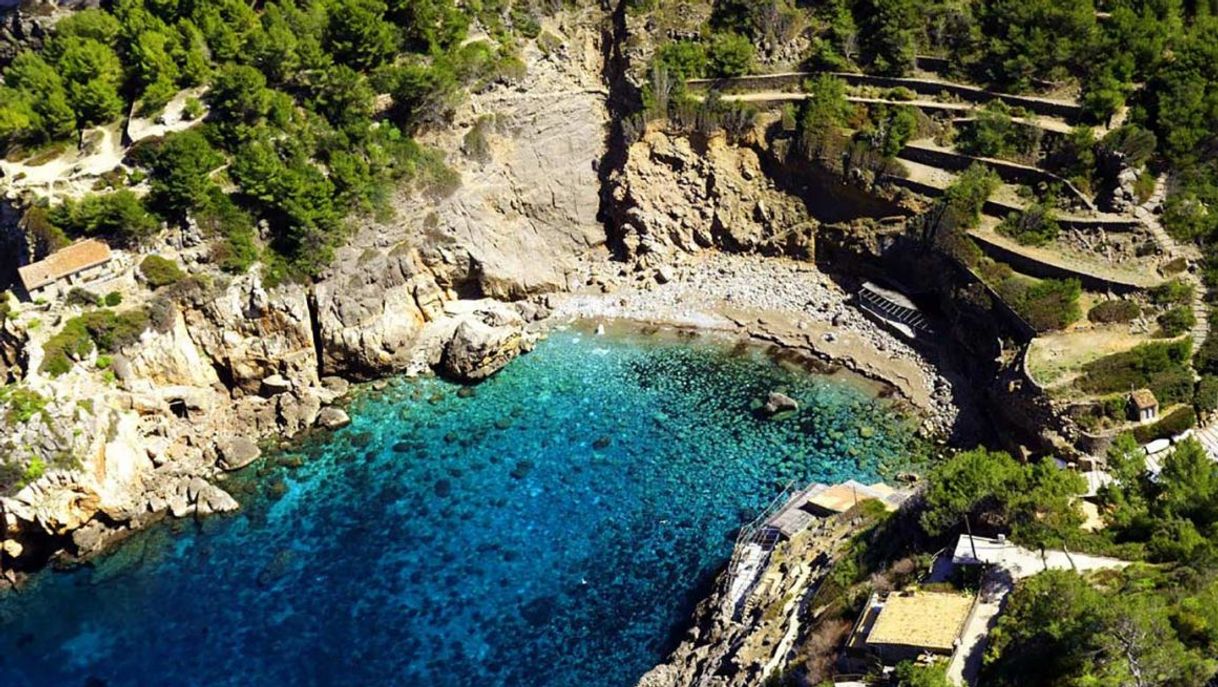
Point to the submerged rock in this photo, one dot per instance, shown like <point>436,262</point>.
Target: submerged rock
<point>333,418</point>
<point>778,402</point>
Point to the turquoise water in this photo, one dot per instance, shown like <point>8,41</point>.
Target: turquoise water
<point>553,529</point>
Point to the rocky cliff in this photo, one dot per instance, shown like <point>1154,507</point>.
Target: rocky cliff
<point>689,193</point>
<point>743,634</point>
<point>527,155</point>
<point>232,360</point>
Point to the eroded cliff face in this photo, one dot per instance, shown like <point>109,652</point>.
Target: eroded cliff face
<point>370,309</point>
<point>237,360</point>
<point>527,155</point>
<point>234,363</point>
<point>689,193</point>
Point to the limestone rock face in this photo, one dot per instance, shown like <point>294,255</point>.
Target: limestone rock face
<point>479,349</point>
<point>58,504</point>
<point>677,194</point>
<point>370,308</point>
<point>13,359</point>
<point>528,200</point>
<point>167,359</point>
<point>251,333</point>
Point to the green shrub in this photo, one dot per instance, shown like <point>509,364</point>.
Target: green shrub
<point>67,345</point>
<point>1047,304</point>
<point>119,216</point>
<point>1206,398</point>
<point>962,202</point>
<point>901,93</point>
<point>102,329</point>
<point>1177,320</point>
<point>1035,226</point>
<point>730,54</point>
<point>683,59</point>
<point>1161,366</point>
<point>1144,186</point>
<point>113,298</point>
<point>23,403</point>
<point>192,109</point>
<point>237,250</point>
<point>82,297</point>
<point>158,271</point>
<point>1172,292</point>
<point>37,468</point>
<point>1172,424</point>
<point>110,331</point>
<point>1116,310</point>
<point>475,144</point>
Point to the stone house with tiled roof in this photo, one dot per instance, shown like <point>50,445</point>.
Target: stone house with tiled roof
<point>75,265</point>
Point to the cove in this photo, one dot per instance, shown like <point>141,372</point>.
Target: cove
<point>552,527</point>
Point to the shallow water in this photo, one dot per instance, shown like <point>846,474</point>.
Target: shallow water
<point>552,530</point>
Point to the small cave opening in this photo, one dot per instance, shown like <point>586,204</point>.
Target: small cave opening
<point>178,407</point>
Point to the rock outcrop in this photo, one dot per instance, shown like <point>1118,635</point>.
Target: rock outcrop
<point>370,307</point>
<point>250,333</point>
<point>681,193</point>
<point>743,634</point>
<point>480,348</point>
<point>529,192</point>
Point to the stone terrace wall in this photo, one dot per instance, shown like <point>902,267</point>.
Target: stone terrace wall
<point>930,87</point>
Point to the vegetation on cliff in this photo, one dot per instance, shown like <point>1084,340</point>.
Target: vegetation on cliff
<point>292,137</point>
<point>1155,619</point>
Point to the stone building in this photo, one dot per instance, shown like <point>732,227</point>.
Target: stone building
<point>1143,406</point>
<point>76,265</point>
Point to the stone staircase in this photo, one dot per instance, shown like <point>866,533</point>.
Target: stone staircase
<point>1173,249</point>
<point>1208,436</point>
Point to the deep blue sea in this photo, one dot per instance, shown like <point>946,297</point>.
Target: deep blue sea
<point>553,528</point>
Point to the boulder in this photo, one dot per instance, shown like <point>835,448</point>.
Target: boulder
<point>298,411</point>
<point>333,418</point>
<point>338,386</point>
<point>275,385</point>
<point>367,314</point>
<point>236,453</point>
<point>89,539</point>
<point>778,402</point>
<point>665,274</point>
<point>212,499</point>
<point>479,350</point>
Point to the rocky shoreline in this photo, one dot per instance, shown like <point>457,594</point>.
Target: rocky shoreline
<point>785,302</point>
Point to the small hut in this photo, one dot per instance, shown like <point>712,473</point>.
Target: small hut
<point>1143,406</point>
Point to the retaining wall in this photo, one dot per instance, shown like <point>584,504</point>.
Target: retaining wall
<point>1009,172</point>
<point>1036,268</point>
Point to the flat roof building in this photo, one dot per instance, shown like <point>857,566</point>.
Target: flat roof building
<point>906,625</point>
